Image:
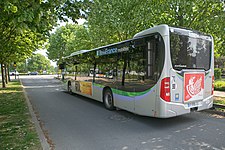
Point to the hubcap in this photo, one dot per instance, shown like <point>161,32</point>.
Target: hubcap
<point>69,88</point>
<point>108,99</point>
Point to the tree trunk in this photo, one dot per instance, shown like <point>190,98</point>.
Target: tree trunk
<point>15,73</point>
<point>3,76</point>
<point>6,74</point>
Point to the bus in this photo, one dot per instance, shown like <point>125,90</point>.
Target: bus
<point>161,72</point>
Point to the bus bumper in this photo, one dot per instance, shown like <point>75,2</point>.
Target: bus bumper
<point>169,109</point>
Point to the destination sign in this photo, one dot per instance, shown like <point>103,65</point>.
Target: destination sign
<point>111,51</point>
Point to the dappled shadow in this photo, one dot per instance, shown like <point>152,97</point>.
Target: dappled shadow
<point>14,87</point>
<point>80,114</point>
<point>41,83</point>
<point>124,116</point>
<point>158,123</point>
<point>181,132</point>
<point>86,99</point>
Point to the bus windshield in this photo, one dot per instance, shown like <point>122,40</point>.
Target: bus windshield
<point>190,50</point>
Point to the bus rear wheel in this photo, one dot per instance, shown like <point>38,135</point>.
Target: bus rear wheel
<point>108,99</point>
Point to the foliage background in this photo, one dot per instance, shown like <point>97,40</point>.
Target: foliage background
<point>113,21</point>
<point>25,27</point>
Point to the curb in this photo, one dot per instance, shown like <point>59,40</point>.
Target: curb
<point>41,136</point>
<point>214,111</point>
<point>219,106</point>
<point>219,93</point>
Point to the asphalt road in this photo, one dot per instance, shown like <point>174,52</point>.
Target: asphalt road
<point>73,122</point>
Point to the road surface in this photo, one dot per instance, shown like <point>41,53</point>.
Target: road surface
<point>73,122</point>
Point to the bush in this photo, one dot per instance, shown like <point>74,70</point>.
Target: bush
<point>223,72</point>
<point>217,73</point>
<point>219,85</point>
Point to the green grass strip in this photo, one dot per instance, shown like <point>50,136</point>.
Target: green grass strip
<point>16,129</point>
<point>219,85</point>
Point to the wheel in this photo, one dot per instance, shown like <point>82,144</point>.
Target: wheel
<point>69,88</point>
<point>108,99</point>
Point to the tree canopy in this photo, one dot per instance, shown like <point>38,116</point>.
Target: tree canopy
<point>39,63</point>
<point>36,62</point>
<point>28,23</point>
<point>24,26</point>
<point>68,39</point>
<point>113,21</point>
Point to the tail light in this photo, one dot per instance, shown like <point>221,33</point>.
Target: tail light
<point>212,84</point>
<point>165,89</point>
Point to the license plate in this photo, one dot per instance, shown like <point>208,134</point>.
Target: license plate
<point>193,104</point>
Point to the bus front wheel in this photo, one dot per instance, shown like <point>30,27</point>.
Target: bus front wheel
<point>108,99</point>
<point>69,88</point>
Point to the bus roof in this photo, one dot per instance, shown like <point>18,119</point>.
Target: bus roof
<point>95,49</point>
<point>111,45</point>
<point>162,29</point>
<point>77,53</point>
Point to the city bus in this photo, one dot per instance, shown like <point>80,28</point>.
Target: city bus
<point>161,72</point>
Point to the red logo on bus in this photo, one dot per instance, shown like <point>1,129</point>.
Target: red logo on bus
<point>193,86</point>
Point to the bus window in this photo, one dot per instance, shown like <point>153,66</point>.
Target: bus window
<point>105,70</point>
<point>83,72</point>
<point>145,63</point>
<point>194,50</point>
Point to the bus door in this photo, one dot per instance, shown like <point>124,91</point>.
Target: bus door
<point>124,100</point>
<point>124,93</point>
<point>142,77</point>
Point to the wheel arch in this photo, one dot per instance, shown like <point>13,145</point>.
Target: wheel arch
<point>69,87</point>
<point>103,91</point>
<point>69,83</point>
<point>108,105</point>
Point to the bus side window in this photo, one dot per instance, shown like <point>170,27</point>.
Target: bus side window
<point>142,64</point>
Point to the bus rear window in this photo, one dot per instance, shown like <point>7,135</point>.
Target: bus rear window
<point>190,52</point>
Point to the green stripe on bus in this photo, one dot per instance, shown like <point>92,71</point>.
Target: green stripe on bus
<point>124,93</point>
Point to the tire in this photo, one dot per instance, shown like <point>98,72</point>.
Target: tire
<point>108,99</point>
<point>69,88</point>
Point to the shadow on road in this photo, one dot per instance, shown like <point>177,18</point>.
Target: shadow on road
<point>124,116</point>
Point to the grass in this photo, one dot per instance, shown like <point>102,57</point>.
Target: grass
<point>219,100</point>
<point>16,129</point>
<point>219,85</point>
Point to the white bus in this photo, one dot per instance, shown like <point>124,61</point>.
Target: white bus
<point>161,72</point>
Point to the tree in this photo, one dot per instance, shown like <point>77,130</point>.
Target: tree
<point>206,16</point>
<point>22,26</point>
<point>25,25</point>
<point>38,63</point>
<point>21,67</point>
<point>113,21</point>
<point>68,39</point>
